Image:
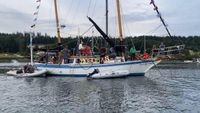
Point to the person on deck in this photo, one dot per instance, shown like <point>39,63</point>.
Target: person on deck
<point>162,48</point>
<point>145,55</point>
<point>81,48</point>
<point>132,53</point>
<point>65,55</point>
<point>54,59</point>
<point>154,51</point>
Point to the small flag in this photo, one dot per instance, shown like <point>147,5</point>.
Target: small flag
<point>38,7</point>
<point>35,19</point>
<point>35,13</point>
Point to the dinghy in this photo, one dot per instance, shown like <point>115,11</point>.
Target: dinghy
<point>114,74</point>
<point>36,73</point>
<point>27,71</point>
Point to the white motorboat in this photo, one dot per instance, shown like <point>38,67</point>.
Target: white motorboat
<point>114,74</point>
<point>188,61</point>
<point>36,73</point>
<point>198,60</point>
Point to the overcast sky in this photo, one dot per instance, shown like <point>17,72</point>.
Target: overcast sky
<point>139,18</point>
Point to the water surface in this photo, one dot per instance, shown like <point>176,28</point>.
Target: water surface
<point>167,88</point>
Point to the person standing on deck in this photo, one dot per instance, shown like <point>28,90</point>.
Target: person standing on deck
<point>162,48</point>
<point>65,55</point>
<point>132,53</point>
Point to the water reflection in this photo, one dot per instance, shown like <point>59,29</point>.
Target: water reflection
<point>111,95</point>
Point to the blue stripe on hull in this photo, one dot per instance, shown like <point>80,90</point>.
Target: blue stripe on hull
<point>91,66</point>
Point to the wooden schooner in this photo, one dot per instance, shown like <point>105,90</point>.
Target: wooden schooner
<point>82,66</point>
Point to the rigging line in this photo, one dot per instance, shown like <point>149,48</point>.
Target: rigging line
<point>115,20</point>
<point>61,16</point>
<point>179,38</point>
<point>161,74</point>
<point>154,30</point>
<point>70,8</point>
<point>76,10</point>
<point>130,34</point>
<point>88,8</point>
<point>70,34</point>
<point>94,8</point>
<point>126,25</point>
<point>123,19</point>
<point>87,30</point>
<point>51,8</point>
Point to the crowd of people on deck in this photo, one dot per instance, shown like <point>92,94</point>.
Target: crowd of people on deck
<point>85,50</point>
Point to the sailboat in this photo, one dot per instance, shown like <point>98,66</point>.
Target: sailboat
<point>82,66</point>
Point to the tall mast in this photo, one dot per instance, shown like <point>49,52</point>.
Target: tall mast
<point>107,17</point>
<point>57,22</point>
<point>58,30</point>
<point>119,22</point>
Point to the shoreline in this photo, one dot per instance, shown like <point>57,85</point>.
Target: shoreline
<point>10,56</point>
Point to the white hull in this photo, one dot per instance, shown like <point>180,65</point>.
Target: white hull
<point>137,67</point>
<point>36,73</point>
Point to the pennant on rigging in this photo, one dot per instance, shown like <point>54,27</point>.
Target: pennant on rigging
<point>35,19</point>
<point>38,7</point>
<point>35,13</point>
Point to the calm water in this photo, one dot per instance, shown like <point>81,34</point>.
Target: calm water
<point>168,88</point>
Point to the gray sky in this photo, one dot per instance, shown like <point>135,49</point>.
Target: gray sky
<point>139,18</point>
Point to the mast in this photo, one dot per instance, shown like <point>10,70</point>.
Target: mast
<point>107,17</point>
<point>31,47</point>
<point>119,22</point>
<point>58,31</point>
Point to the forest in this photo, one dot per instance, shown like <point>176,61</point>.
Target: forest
<point>18,42</point>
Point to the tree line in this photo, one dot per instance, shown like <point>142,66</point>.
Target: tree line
<point>18,42</point>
